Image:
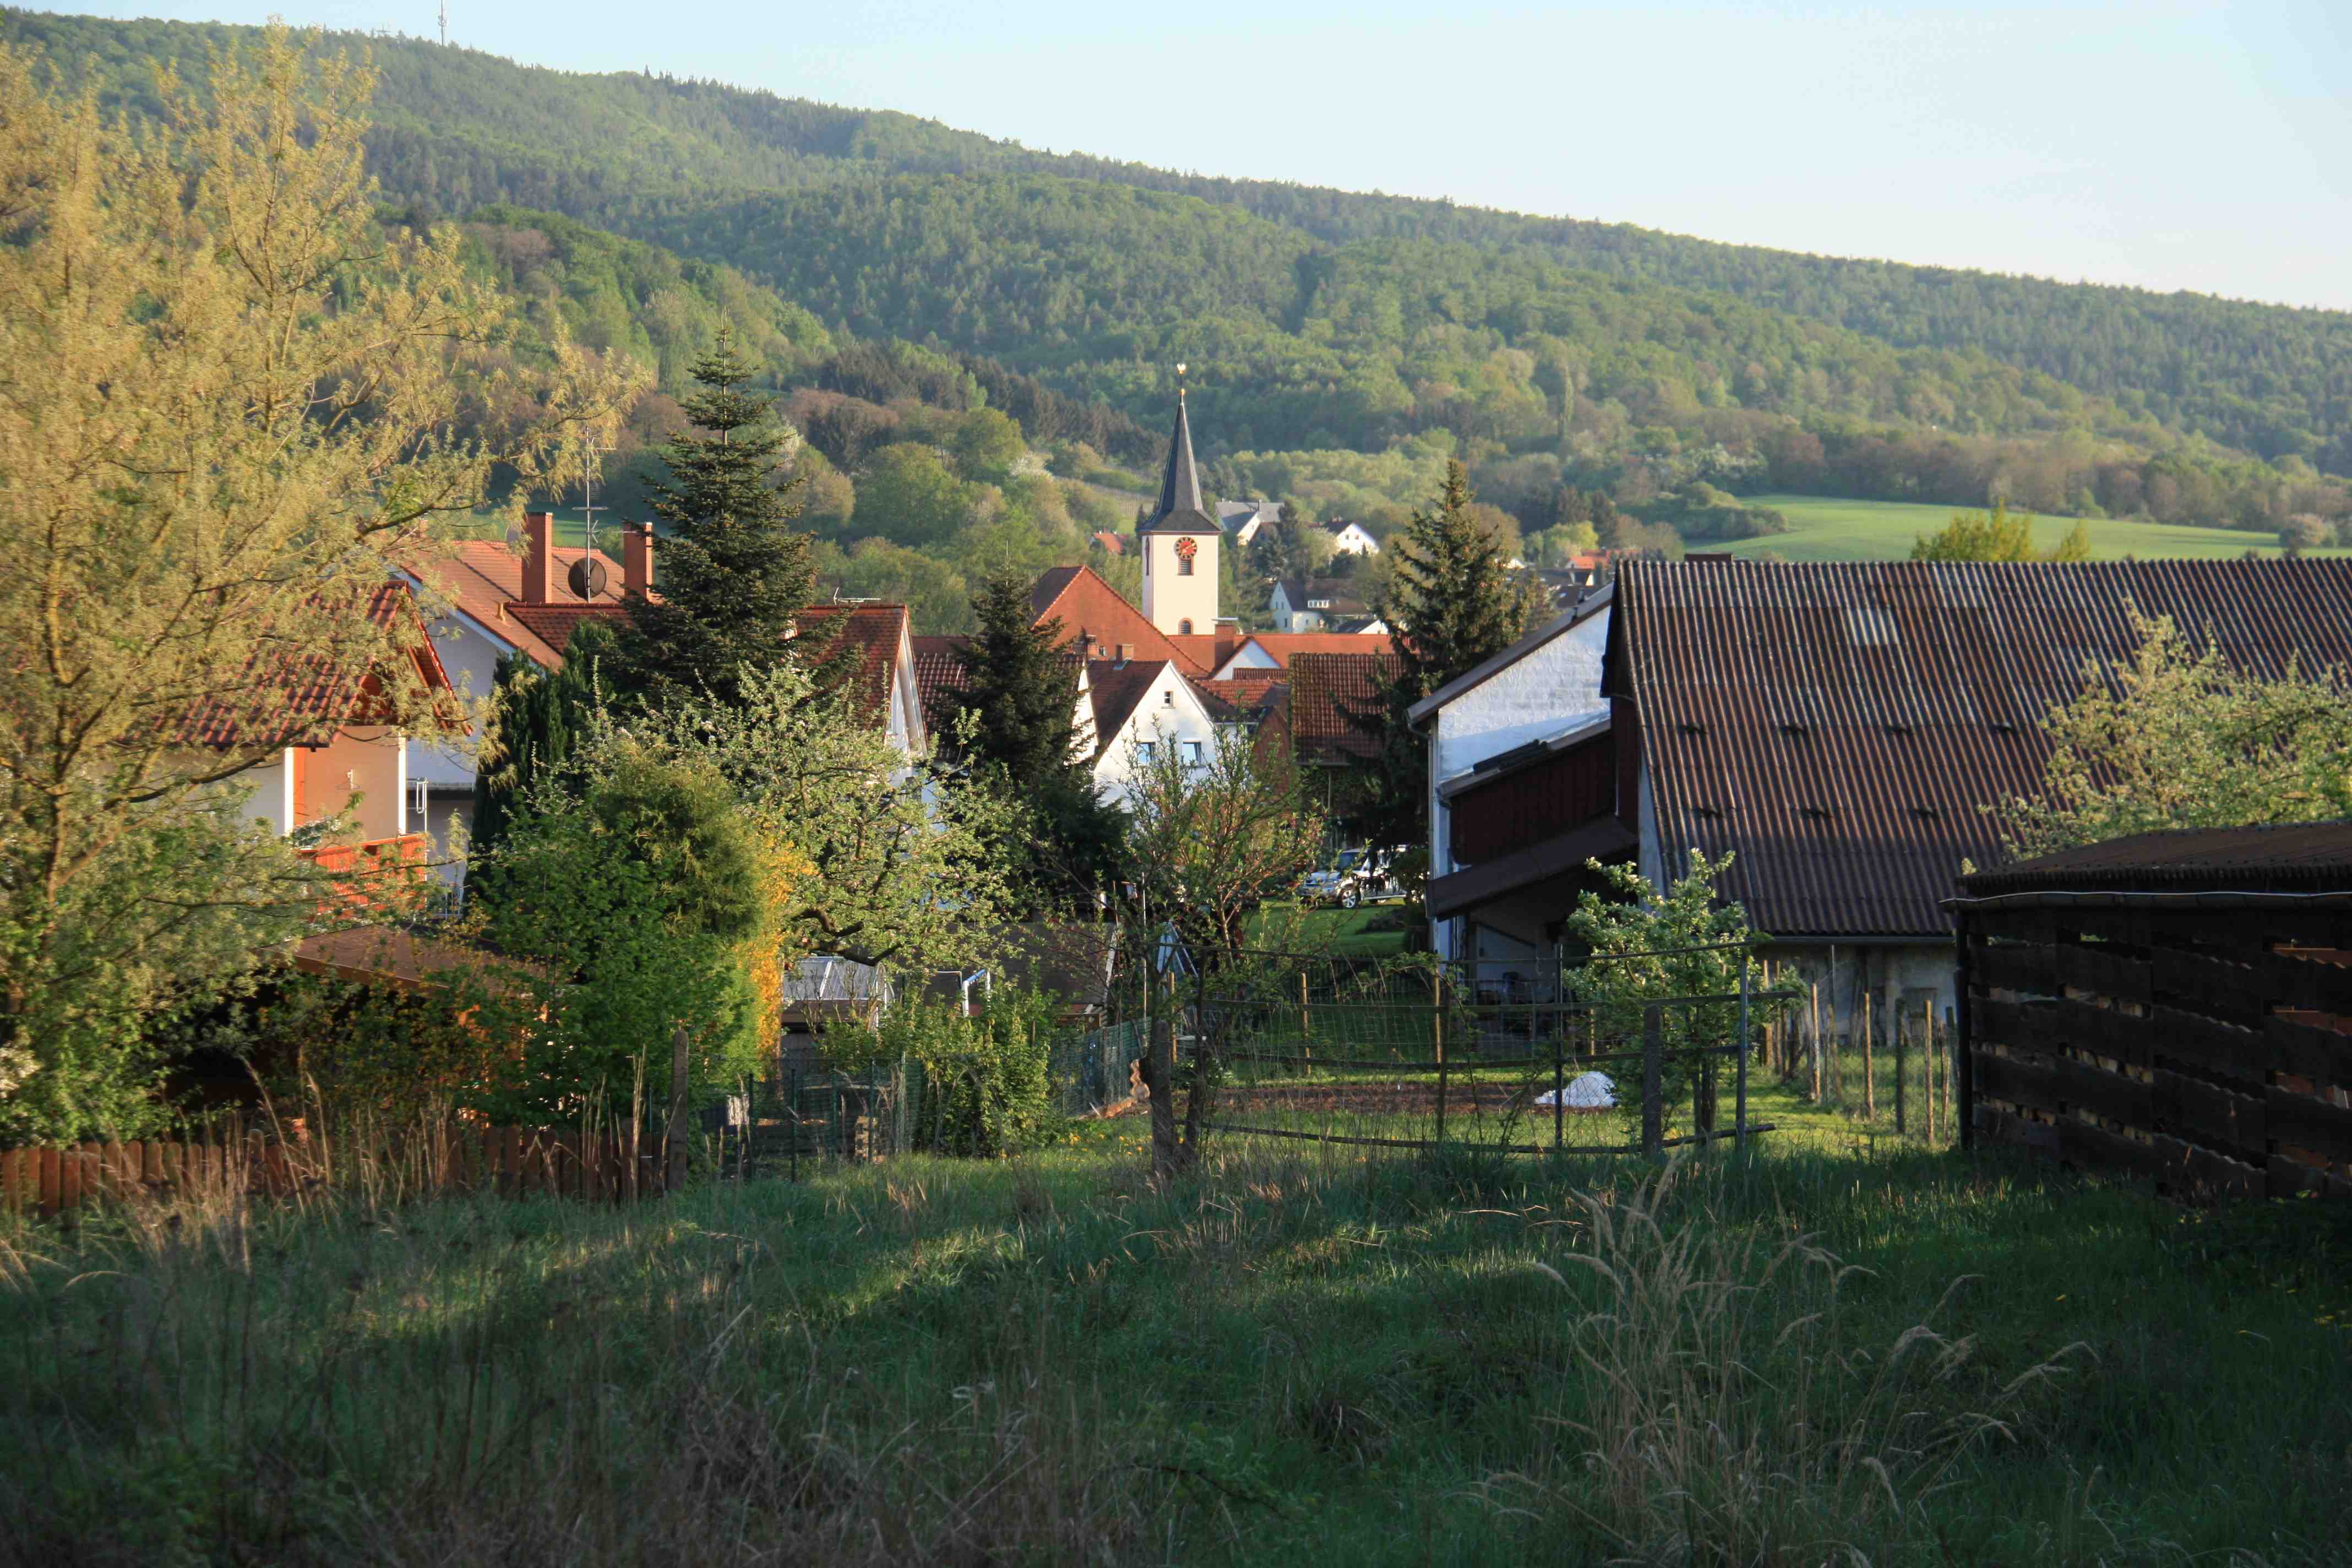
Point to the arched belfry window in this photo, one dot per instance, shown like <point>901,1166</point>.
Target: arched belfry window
<point>1184,628</point>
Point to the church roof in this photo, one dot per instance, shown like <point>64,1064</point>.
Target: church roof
<point>1180,509</point>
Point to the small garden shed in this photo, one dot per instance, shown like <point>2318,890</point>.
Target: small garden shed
<point>2174,1004</point>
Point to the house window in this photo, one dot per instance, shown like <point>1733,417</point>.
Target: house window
<point>1193,754</point>
<point>1184,628</point>
<point>1145,752</point>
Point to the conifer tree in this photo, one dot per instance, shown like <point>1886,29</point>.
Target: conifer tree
<point>1019,686</point>
<point>1014,724</point>
<point>537,719</point>
<point>1450,604</point>
<point>732,572</point>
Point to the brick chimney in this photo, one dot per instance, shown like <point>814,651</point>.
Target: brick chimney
<point>638,558</point>
<point>539,557</point>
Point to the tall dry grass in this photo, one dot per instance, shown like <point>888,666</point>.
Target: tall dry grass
<point>1729,1412</point>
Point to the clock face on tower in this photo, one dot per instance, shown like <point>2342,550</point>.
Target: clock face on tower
<point>1186,549</point>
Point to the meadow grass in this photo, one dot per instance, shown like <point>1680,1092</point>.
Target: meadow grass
<point>1823,527</point>
<point>1796,1356</point>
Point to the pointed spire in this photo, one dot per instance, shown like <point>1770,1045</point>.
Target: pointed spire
<point>1180,510</point>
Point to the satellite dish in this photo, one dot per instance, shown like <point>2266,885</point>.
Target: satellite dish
<point>588,577</point>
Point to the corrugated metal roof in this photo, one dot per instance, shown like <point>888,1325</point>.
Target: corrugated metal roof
<point>1841,725</point>
<point>2273,857</point>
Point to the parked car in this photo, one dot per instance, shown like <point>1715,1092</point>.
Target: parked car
<point>1355,878</point>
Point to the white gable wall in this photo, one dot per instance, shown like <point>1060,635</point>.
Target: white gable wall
<point>1170,715</point>
<point>1548,692</point>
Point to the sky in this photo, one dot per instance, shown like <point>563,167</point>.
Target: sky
<point>2165,144</point>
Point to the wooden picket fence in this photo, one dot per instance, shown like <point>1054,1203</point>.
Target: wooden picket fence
<point>511,1162</point>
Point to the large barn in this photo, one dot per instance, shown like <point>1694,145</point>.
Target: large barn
<point>1838,727</point>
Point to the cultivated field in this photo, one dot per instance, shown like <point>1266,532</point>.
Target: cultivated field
<point>1824,1354</point>
<point>1823,529</point>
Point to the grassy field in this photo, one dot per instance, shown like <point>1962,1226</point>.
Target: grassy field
<point>1822,529</point>
<point>1818,1352</point>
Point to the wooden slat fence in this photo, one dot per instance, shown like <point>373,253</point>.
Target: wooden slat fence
<point>509,1161</point>
<point>2209,1049</point>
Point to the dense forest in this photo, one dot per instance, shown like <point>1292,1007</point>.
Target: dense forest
<point>1564,359</point>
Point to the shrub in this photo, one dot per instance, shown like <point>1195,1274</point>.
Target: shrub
<point>988,1079</point>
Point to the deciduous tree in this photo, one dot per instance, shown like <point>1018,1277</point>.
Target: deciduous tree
<point>2177,738</point>
<point>227,393</point>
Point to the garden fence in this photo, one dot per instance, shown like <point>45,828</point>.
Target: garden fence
<point>1419,1055</point>
<point>225,1154</point>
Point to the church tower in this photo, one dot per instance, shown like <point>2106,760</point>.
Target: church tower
<point>1180,544</point>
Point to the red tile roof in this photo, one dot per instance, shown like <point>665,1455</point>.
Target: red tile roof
<point>1283,647</point>
<point>872,631</point>
<point>1839,725</point>
<point>1111,542</point>
<point>1207,651</point>
<point>1333,696</point>
<point>1088,606</point>
<point>303,697</point>
<point>483,579</point>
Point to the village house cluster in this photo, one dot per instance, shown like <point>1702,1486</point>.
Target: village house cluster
<point>1840,730</point>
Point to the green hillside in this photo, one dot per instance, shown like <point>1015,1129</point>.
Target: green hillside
<point>897,276</point>
<point>1822,527</point>
<point>459,130</point>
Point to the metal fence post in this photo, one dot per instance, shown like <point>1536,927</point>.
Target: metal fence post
<point>1739,1092</point>
<point>1652,1081</point>
<point>1902,1065</point>
<point>1437,1027</point>
<point>1559,1086</point>
<point>792,1110</point>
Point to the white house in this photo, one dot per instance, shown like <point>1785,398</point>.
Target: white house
<point>1349,538</point>
<point>1274,650</point>
<point>1143,710</point>
<point>1241,520</point>
<point>1314,604</point>
<point>1527,719</point>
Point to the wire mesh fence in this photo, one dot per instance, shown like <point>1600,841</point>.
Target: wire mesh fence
<point>803,1119</point>
<point>1417,1055</point>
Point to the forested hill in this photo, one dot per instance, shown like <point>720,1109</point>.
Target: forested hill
<point>460,128</point>
<point>720,173</point>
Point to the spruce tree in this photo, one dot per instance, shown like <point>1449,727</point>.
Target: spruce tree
<point>1014,724</point>
<point>732,570</point>
<point>1451,603</point>
<point>1019,686</point>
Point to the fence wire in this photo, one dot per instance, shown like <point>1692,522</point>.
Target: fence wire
<point>1415,1056</point>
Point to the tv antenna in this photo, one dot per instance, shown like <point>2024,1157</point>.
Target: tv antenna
<point>445,24</point>
<point>588,575</point>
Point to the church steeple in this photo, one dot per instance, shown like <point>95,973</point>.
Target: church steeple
<point>1179,542</point>
<point>1180,510</point>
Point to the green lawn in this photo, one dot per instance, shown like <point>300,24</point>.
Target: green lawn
<point>1285,1360</point>
<point>1822,528</point>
